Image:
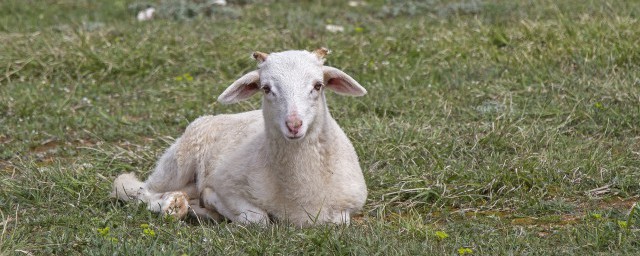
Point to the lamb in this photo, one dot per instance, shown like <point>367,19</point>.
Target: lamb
<point>289,161</point>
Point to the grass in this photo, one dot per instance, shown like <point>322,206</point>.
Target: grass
<point>490,127</point>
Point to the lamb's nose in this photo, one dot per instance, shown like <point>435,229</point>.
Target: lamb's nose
<point>294,125</point>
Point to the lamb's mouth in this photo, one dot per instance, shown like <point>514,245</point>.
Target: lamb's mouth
<point>294,137</point>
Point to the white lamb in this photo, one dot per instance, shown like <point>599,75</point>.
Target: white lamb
<point>289,161</point>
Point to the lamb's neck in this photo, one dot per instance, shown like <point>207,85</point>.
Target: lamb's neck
<point>302,159</point>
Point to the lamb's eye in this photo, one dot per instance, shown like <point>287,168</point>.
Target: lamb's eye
<point>317,86</point>
<point>266,89</point>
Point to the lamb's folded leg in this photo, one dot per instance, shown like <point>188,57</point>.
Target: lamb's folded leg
<point>127,188</point>
<point>199,211</point>
<point>233,207</point>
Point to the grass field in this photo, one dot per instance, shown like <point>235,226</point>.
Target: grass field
<point>491,127</point>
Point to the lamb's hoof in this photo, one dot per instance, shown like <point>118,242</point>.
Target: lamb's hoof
<point>175,204</point>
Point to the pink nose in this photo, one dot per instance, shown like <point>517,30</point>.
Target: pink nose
<point>294,125</point>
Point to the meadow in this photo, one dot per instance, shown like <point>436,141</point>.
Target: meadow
<point>491,127</point>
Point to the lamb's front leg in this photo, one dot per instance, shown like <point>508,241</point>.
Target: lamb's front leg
<point>234,207</point>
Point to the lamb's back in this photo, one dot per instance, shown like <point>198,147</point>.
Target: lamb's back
<point>211,137</point>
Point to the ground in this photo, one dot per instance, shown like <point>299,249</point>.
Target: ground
<point>490,127</point>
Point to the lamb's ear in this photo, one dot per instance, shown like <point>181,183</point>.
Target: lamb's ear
<point>341,83</point>
<point>241,89</point>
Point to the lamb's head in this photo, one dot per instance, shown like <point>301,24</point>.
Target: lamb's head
<point>292,84</point>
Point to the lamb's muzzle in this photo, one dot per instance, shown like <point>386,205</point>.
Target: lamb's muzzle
<point>293,123</point>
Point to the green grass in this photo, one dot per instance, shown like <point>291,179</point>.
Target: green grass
<point>511,126</point>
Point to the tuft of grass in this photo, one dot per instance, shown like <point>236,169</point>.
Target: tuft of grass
<point>490,127</point>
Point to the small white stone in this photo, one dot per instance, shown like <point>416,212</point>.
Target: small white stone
<point>334,28</point>
<point>146,14</point>
<point>357,3</point>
